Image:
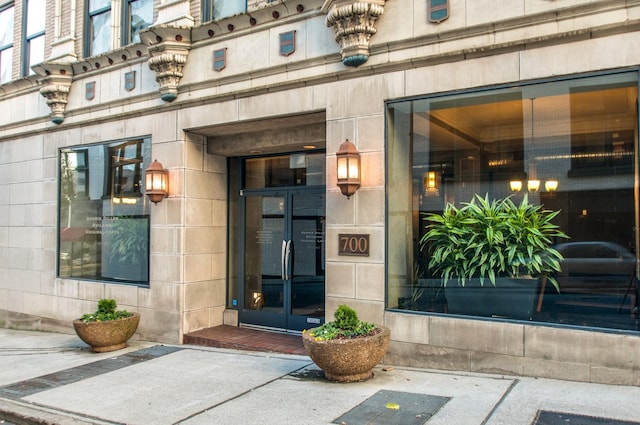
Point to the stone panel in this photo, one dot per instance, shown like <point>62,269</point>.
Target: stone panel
<point>426,356</point>
<point>581,56</point>
<point>195,319</point>
<point>369,203</point>
<point>444,77</point>
<point>161,326</point>
<point>90,290</point>
<point>342,209</point>
<point>337,132</point>
<point>368,311</point>
<point>204,294</point>
<point>125,295</point>
<point>165,268</point>
<point>476,335</point>
<point>161,296</point>
<point>25,280</point>
<point>582,346</point>
<point>67,288</point>
<point>604,375</point>
<point>197,267</point>
<point>340,280</point>
<point>404,327</point>
<point>171,154</point>
<point>26,171</point>
<point>364,96</point>
<point>26,193</point>
<point>371,133</point>
<point>372,170</point>
<point>199,240</point>
<point>477,12</point>
<point>285,103</point>
<point>495,363</point>
<point>204,185</point>
<point>370,282</point>
<point>556,370</point>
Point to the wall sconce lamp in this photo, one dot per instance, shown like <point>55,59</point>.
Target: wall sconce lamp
<point>430,181</point>
<point>515,185</point>
<point>156,182</point>
<point>551,185</point>
<point>348,175</point>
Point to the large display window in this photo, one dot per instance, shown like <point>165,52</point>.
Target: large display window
<point>103,213</point>
<point>569,146</point>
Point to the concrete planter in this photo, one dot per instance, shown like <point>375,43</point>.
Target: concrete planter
<point>348,360</point>
<point>107,336</point>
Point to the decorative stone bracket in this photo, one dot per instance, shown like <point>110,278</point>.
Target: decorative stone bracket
<point>354,24</point>
<point>168,48</point>
<point>56,85</point>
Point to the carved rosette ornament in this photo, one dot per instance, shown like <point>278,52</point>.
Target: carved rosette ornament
<point>354,24</point>
<point>56,85</point>
<point>168,49</point>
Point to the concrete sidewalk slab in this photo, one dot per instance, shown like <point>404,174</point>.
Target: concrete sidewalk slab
<point>155,384</point>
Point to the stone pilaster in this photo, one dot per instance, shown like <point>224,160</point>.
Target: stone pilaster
<point>354,24</point>
<point>168,49</point>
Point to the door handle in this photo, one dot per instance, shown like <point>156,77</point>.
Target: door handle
<point>282,259</point>
<point>287,256</point>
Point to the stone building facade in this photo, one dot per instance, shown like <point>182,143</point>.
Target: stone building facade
<point>246,104</point>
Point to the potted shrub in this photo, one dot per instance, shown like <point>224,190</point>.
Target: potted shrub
<point>493,255</point>
<point>108,329</point>
<point>347,349</point>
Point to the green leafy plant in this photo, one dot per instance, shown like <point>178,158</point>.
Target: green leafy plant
<point>107,310</point>
<point>490,239</point>
<point>345,325</point>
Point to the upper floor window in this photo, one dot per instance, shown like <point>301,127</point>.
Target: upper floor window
<point>33,36</point>
<point>126,22</point>
<point>6,42</point>
<point>139,16</point>
<point>212,10</point>
<point>98,28</point>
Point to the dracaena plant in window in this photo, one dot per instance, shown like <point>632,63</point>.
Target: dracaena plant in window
<point>489,239</point>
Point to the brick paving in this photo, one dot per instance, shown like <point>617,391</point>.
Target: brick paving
<point>238,338</point>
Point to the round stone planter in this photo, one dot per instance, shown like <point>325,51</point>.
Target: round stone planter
<point>107,336</point>
<point>348,360</point>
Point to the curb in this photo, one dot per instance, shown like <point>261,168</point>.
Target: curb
<point>21,413</point>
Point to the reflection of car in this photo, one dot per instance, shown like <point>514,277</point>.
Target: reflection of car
<point>595,267</point>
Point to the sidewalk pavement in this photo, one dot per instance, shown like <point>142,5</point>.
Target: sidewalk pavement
<point>49,378</point>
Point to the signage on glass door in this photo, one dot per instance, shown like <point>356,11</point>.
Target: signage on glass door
<point>353,244</point>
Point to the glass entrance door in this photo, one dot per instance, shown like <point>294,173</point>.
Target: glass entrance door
<point>282,249</point>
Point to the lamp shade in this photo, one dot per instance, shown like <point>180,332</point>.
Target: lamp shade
<point>551,185</point>
<point>533,185</point>
<point>515,185</point>
<point>348,168</point>
<point>156,182</point>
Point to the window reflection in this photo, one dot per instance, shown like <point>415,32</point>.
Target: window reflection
<point>568,145</point>
<point>103,217</point>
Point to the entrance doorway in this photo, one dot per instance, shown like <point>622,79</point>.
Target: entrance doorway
<point>281,255</point>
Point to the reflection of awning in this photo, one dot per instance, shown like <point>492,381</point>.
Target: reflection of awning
<point>75,234</point>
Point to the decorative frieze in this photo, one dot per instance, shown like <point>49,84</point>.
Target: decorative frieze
<point>354,24</point>
<point>56,85</point>
<point>168,49</point>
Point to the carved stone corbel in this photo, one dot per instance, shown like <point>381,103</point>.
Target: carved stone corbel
<point>168,48</point>
<point>56,84</point>
<point>354,24</point>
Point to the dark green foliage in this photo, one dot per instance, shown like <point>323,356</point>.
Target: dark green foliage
<point>346,318</point>
<point>345,325</point>
<point>489,239</point>
<point>106,311</point>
